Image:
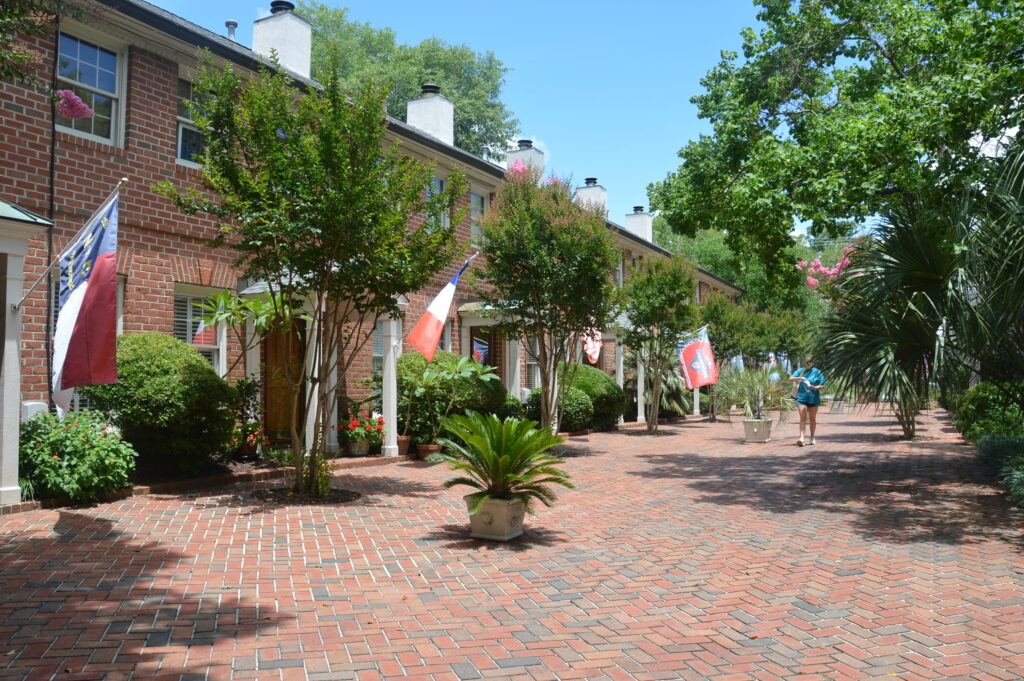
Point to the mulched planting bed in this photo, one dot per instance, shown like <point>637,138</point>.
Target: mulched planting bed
<point>284,495</point>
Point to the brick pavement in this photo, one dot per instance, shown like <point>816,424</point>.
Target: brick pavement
<point>684,556</point>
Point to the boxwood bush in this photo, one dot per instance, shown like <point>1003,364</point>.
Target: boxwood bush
<point>607,398</point>
<point>169,403</point>
<point>1006,452</point>
<point>80,458</point>
<point>986,409</point>
<point>577,413</point>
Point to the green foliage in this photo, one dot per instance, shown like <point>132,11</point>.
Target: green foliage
<point>576,411</point>
<point>472,80</point>
<point>80,458</point>
<point>427,392</point>
<point>319,474</point>
<point>547,272</point>
<point>1006,452</point>
<point>607,397</point>
<point>502,459</point>
<point>19,62</point>
<point>755,392</point>
<point>278,457</point>
<point>660,312</point>
<point>513,408</point>
<point>837,112</point>
<point>988,409</point>
<point>360,427</point>
<point>169,402</point>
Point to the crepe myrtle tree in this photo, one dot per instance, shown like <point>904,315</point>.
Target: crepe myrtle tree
<point>546,274</point>
<point>304,186</point>
<point>660,311</point>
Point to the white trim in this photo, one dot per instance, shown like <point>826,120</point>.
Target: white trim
<point>120,49</point>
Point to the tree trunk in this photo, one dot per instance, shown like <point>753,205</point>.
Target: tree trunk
<point>654,404</point>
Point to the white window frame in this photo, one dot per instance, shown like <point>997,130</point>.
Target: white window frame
<point>532,378</point>
<point>119,98</point>
<point>446,335</point>
<point>434,187</point>
<point>377,351</point>
<point>184,122</point>
<point>219,348</point>
<point>475,233</point>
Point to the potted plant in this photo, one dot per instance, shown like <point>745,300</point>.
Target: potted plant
<point>361,432</point>
<point>758,394</point>
<point>506,462</point>
<point>439,389</point>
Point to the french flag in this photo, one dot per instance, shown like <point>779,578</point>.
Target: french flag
<point>427,332</point>
<point>84,341</point>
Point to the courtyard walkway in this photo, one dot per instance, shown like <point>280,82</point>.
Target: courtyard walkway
<point>689,555</point>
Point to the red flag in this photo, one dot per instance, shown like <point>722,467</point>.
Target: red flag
<point>697,361</point>
<point>592,345</point>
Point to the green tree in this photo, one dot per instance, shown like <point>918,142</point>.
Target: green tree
<point>546,275</point>
<point>316,204</point>
<point>840,111</point>
<point>472,80</point>
<point>19,62</point>
<point>660,311</point>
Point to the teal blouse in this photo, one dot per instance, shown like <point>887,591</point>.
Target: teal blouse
<point>804,395</point>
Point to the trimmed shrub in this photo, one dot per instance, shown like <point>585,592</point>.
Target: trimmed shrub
<point>607,397</point>
<point>512,408</point>
<point>169,403</point>
<point>80,458</point>
<point>987,409</point>
<point>1006,452</point>
<point>485,397</point>
<point>576,414</point>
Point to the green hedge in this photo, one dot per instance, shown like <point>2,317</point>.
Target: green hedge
<point>577,413</point>
<point>1006,452</point>
<point>607,398</point>
<point>169,403</point>
<point>986,409</point>
<point>486,397</point>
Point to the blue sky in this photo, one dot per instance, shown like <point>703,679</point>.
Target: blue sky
<point>602,86</point>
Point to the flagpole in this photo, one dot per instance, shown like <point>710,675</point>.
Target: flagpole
<point>16,306</point>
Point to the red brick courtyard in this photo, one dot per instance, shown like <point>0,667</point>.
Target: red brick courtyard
<point>689,555</point>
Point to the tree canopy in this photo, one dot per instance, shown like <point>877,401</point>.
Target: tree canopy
<point>472,80</point>
<point>841,110</point>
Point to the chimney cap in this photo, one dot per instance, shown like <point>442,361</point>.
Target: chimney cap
<point>231,23</point>
<point>638,209</point>
<point>590,181</point>
<point>526,144</point>
<point>281,6</point>
<point>430,89</point>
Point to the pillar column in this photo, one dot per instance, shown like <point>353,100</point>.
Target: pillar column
<point>641,383</point>
<point>512,379</point>
<point>620,373</point>
<point>696,401</point>
<point>12,282</point>
<point>389,384</point>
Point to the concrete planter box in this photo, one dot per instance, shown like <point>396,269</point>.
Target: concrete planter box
<point>497,519</point>
<point>757,431</point>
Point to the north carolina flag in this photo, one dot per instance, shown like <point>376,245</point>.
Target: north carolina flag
<point>592,345</point>
<point>84,341</point>
<point>427,332</point>
<point>697,361</point>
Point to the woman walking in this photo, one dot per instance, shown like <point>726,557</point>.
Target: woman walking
<point>810,381</point>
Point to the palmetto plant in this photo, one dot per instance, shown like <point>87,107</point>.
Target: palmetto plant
<point>501,459</point>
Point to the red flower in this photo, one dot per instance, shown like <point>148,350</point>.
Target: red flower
<point>380,427</point>
<point>380,419</point>
<point>353,425</point>
<point>369,427</point>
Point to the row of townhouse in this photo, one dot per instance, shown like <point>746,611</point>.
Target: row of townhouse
<point>133,63</point>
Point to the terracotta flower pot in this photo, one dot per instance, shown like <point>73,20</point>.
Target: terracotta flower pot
<point>404,441</point>
<point>423,451</point>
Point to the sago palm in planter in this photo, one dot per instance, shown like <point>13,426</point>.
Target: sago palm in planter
<point>506,462</point>
<point>758,395</point>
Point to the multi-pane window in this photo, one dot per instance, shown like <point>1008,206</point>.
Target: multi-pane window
<point>619,271</point>
<point>446,336</point>
<point>532,366</point>
<point>190,140</point>
<point>91,73</point>
<point>477,208</point>
<point>435,187</point>
<point>378,348</point>
<point>189,327</point>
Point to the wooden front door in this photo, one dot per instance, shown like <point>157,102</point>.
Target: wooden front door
<point>277,350</point>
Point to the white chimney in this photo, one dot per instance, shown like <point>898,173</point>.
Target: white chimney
<point>592,194</point>
<point>640,223</point>
<point>529,155</point>
<point>432,113</point>
<point>286,33</point>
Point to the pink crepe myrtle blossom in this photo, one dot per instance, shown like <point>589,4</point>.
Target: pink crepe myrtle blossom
<point>70,105</point>
<point>812,283</point>
<point>518,168</point>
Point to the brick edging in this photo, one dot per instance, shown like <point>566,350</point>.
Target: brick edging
<point>177,486</point>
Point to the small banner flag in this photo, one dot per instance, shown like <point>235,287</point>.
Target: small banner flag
<point>481,353</point>
<point>697,361</point>
<point>204,334</point>
<point>427,333</point>
<point>85,337</point>
<point>592,345</point>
